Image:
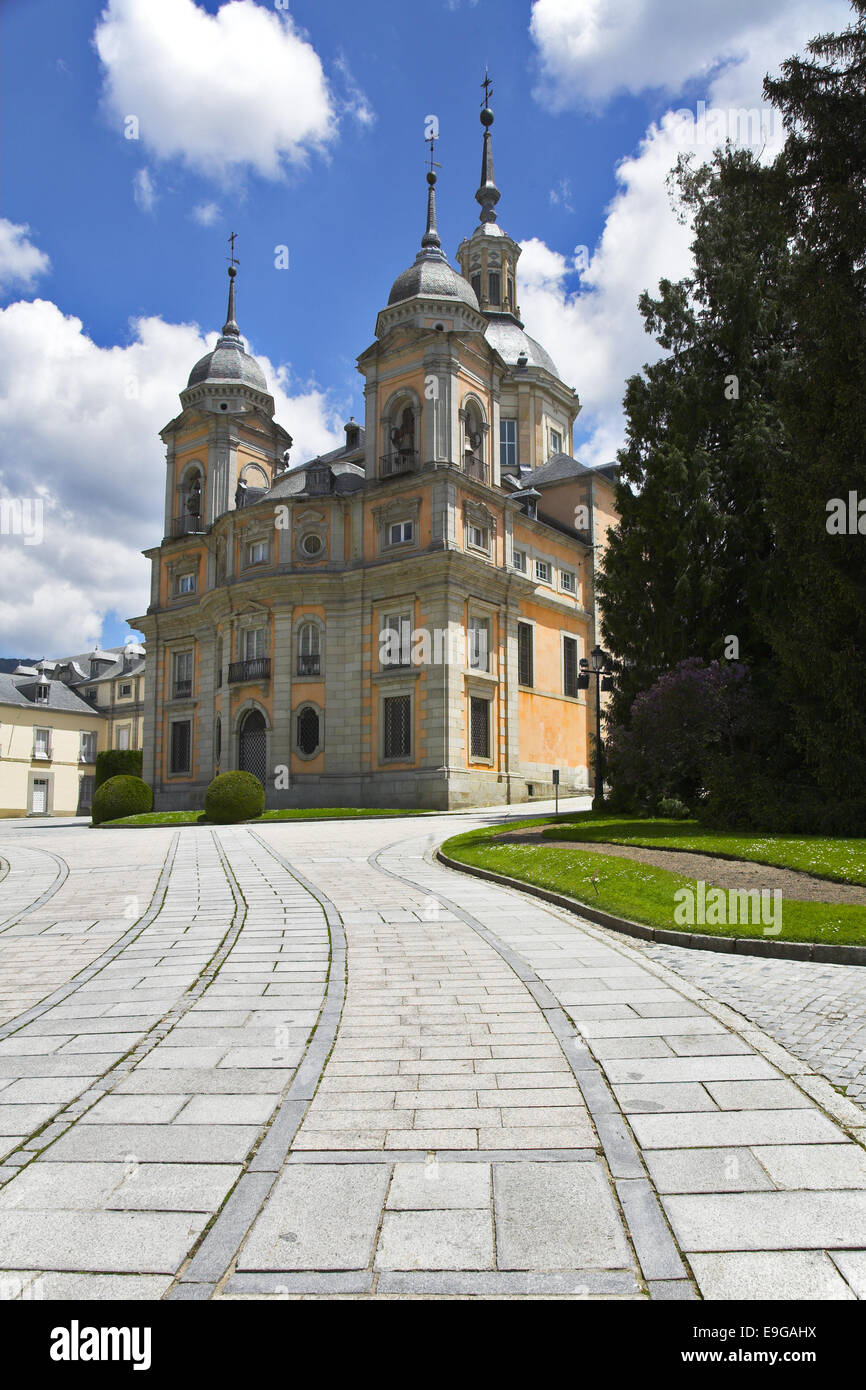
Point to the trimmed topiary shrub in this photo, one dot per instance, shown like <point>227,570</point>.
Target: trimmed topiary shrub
<point>116,762</point>
<point>234,796</point>
<point>120,796</point>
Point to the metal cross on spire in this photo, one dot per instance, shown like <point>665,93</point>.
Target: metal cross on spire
<point>432,143</point>
<point>487,85</point>
<point>232,259</point>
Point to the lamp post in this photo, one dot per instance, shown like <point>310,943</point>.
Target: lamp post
<point>600,668</point>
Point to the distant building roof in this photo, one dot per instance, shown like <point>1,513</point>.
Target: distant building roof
<point>21,692</point>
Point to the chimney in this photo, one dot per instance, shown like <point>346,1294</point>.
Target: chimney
<point>353,435</point>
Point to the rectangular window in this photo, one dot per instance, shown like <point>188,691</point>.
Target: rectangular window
<point>479,537</point>
<point>85,791</point>
<point>569,666</point>
<point>397,733</point>
<point>87,751</point>
<point>511,293</point>
<point>479,728</point>
<point>125,691</point>
<point>508,443</point>
<point>186,584</point>
<point>401,532</point>
<point>123,737</point>
<point>254,643</point>
<point>257,552</point>
<point>182,675</point>
<point>42,743</point>
<point>518,560</point>
<point>475,281</point>
<point>479,643</point>
<point>181,747</point>
<point>395,640</point>
<point>494,282</point>
<point>566,579</point>
<point>525,662</point>
<point>42,693</point>
<point>542,571</point>
<point>555,442</point>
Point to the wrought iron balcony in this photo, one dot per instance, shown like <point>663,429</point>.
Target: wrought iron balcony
<point>477,469</point>
<point>187,526</point>
<point>404,461</point>
<point>257,668</point>
<point>309,665</point>
<point>182,689</point>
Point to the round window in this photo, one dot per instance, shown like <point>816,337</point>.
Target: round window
<point>311,545</point>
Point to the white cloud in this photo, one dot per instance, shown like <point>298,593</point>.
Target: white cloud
<point>206,214</point>
<point>219,91</point>
<point>21,263</point>
<point>144,190</point>
<point>592,326</point>
<point>356,102</point>
<point>84,421</point>
<point>591,49</point>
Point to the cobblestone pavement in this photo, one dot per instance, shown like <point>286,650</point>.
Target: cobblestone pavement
<point>817,1011</point>
<point>281,1062</point>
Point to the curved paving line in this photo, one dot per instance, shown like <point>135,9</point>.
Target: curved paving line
<point>218,1248</point>
<point>63,1120</point>
<point>60,879</point>
<point>820,952</point>
<point>659,1258</point>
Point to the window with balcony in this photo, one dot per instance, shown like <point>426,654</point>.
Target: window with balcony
<point>397,727</point>
<point>525,661</point>
<point>182,675</point>
<point>309,650</point>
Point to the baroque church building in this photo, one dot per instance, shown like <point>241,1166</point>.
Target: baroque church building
<point>399,622</point>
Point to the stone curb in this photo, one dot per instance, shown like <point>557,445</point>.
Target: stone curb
<point>818,953</point>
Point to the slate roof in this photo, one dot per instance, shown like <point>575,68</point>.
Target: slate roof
<point>20,691</point>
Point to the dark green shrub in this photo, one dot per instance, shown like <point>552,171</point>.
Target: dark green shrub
<point>121,796</point>
<point>234,796</point>
<point>117,762</point>
<point>672,809</point>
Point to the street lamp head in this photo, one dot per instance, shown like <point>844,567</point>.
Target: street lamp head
<point>598,654</point>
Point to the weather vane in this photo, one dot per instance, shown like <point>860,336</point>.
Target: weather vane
<point>432,144</point>
<point>232,259</point>
<point>487,85</point>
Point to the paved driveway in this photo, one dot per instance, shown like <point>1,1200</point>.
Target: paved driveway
<point>384,1078</point>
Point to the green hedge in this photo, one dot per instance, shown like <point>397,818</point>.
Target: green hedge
<point>117,762</point>
<point>234,796</point>
<point>121,796</point>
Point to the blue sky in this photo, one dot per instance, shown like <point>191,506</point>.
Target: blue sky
<point>304,127</point>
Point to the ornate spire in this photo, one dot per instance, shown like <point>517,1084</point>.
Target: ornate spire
<point>488,194</point>
<point>430,239</point>
<point>230,327</point>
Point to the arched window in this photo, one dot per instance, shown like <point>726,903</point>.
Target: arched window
<point>307,730</point>
<point>309,650</point>
<point>473,442</point>
<point>217,740</point>
<point>219,662</point>
<point>401,429</point>
<point>189,519</point>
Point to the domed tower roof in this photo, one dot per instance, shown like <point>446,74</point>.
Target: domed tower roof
<point>229,361</point>
<point>430,276</point>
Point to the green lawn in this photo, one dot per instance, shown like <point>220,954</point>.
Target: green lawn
<point>842,860</point>
<point>641,892</point>
<point>198,817</point>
